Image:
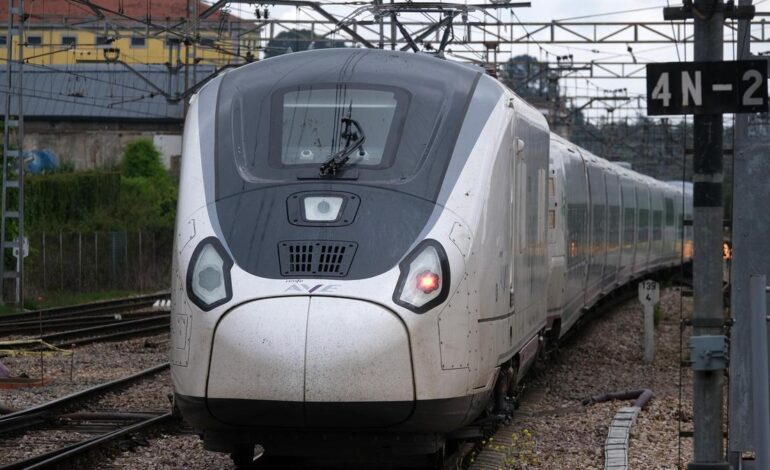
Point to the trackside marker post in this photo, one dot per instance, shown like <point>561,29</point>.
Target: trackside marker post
<point>649,296</point>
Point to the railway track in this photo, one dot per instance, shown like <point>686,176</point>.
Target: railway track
<point>81,311</point>
<point>110,332</point>
<point>56,324</point>
<point>115,331</point>
<point>110,320</point>
<point>98,428</point>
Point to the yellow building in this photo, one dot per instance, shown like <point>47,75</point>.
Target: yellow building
<point>61,34</point>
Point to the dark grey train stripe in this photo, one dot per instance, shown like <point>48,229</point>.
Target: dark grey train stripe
<point>486,96</point>
<point>207,101</point>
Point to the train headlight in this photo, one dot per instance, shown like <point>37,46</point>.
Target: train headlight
<point>208,275</point>
<point>424,280</point>
<point>322,208</point>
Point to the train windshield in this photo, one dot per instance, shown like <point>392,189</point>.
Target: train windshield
<point>312,127</point>
<point>279,121</point>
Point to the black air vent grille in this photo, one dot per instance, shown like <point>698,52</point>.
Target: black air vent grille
<point>316,258</point>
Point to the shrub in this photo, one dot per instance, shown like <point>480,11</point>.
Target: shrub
<point>142,159</point>
<point>71,201</point>
<point>657,315</point>
<point>146,203</point>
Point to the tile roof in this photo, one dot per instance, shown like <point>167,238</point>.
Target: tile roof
<point>55,11</point>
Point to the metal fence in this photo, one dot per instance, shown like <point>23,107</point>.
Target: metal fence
<point>79,261</point>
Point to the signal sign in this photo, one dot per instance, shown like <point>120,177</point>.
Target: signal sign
<point>707,87</point>
<point>649,293</point>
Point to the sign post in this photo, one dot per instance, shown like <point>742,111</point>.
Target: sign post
<point>649,296</point>
<point>707,88</point>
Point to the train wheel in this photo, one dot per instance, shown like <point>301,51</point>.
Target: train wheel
<point>513,393</point>
<point>243,456</point>
<point>279,462</point>
<point>437,460</point>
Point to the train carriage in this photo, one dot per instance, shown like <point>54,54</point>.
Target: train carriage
<point>374,245</point>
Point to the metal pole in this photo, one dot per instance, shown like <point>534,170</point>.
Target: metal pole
<point>45,280</point>
<point>97,284</point>
<point>125,259</point>
<point>61,262</point>
<point>392,30</point>
<point>744,53</point>
<point>649,334</point>
<point>759,369</point>
<point>80,262</point>
<point>708,394</point>
<point>141,273</point>
<point>747,178</point>
<point>20,166</point>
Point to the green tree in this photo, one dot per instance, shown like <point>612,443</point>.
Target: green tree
<point>529,77</point>
<point>142,159</point>
<point>295,40</point>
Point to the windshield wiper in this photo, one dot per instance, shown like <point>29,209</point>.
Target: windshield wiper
<point>354,140</point>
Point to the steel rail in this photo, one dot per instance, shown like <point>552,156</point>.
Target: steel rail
<point>54,458</point>
<point>146,331</point>
<point>119,325</point>
<point>44,411</point>
<point>105,306</point>
<point>58,324</point>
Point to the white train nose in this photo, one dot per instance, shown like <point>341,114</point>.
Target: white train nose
<point>309,357</point>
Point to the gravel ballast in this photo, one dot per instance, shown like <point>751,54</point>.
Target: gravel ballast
<point>91,365</point>
<point>553,430</point>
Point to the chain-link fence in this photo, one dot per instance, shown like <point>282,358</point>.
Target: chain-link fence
<point>80,261</point>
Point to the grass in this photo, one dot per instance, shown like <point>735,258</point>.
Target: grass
<point>58,299</point>
<point>657,315</point>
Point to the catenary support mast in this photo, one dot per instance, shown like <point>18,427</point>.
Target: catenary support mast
<point>12,216</point>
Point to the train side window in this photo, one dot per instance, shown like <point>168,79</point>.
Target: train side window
<point>614,229</point>
<point>644,225</point>
<point>657,221</point>
<point>551,188</point>
<point>597,230</point>
<point>669,212</point>
<point>628,228</point>
<point>576,224</point>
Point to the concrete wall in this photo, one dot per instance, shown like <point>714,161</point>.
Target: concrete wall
<point>89,145</point>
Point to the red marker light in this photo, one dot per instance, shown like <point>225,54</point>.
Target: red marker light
<point>428,281</point>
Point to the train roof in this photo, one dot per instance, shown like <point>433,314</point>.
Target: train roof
<point>616,168</point>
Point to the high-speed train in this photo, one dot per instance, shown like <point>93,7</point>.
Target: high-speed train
<point>373,246</point>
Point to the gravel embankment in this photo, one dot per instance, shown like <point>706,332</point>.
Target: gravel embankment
<point>91,365</point>
<point>167,452</point>
<point>552,430</point>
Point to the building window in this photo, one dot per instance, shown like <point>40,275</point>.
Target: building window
<point>138,41</point>
<point>172,41</point>
<point>34,40</point>
<point>3,41</point>
<point>103,40</point>
<point>69,41</point>
<point>207,42</point>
